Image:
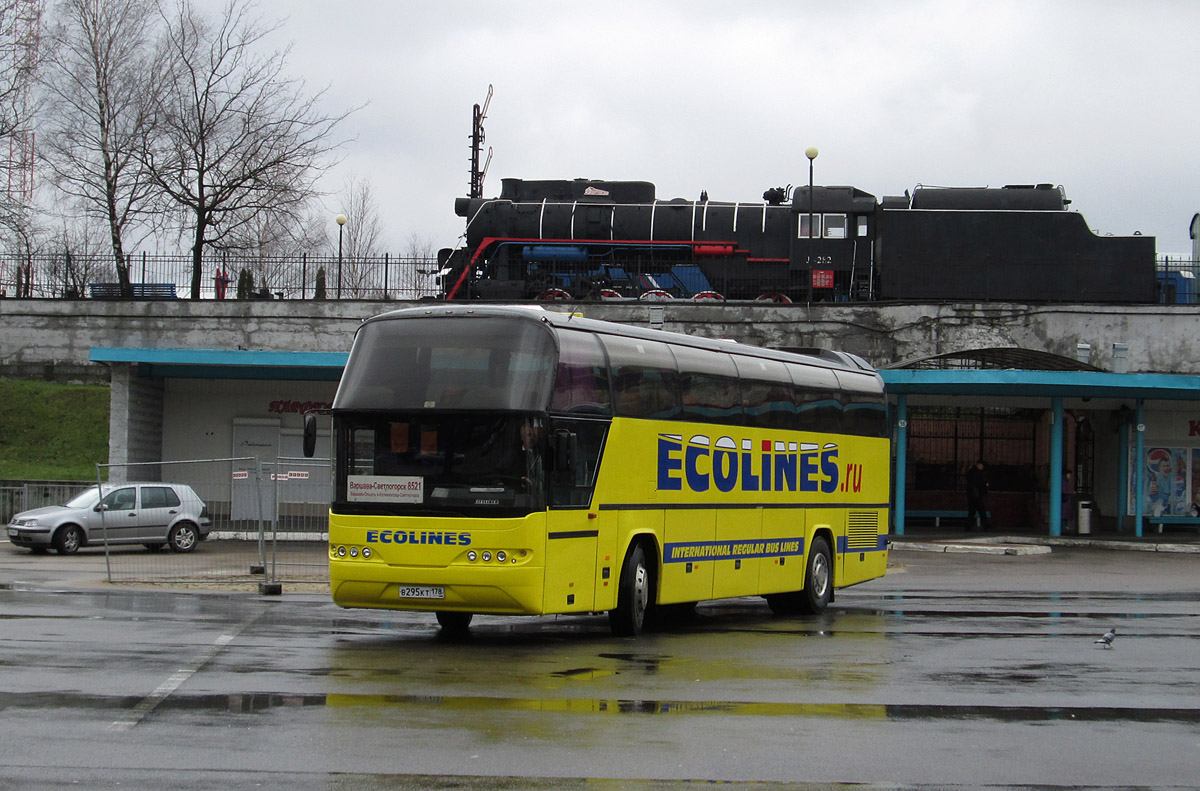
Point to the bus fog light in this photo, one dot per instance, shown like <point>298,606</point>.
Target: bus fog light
<point>471,556</point>
<point>500,556</point>
<point>487,556</point>
<point>341,552</point>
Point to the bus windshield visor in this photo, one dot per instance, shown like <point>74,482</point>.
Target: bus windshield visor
<point>429,463</point>
<point>454,363</point>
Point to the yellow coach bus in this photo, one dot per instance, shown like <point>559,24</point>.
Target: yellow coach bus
<point>512,460</point>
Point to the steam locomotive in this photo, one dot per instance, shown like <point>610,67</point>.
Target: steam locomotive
<point>588,239</point>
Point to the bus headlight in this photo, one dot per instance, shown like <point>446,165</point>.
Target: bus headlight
<point>487,556</point>
<point>341,551</point>
<point>500,556</point>
<point>366,552</point>
<point>353,552</point>
<point>471,556</point>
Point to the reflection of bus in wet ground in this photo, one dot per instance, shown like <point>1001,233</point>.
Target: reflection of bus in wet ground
<point>516,461</point>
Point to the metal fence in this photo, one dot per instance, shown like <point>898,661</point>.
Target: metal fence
<point>18,496</point>
<point>269,524</point>
<point>223,276</point>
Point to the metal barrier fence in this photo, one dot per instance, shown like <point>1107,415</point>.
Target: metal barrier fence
<point>267,524</point>
<point>18,496</point>
<point>273,277</point>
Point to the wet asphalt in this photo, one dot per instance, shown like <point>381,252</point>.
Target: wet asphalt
<point>957,670</point>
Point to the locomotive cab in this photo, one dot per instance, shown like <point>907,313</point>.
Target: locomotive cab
<point>832,246</point>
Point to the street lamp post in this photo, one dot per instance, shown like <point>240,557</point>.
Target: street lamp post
<point>341,221</point>
<point>810,152</point>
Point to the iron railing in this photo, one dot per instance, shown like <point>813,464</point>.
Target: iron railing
<point>269,277</point>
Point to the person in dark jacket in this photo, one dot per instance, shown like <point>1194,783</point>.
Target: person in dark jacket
<point>977,489</point>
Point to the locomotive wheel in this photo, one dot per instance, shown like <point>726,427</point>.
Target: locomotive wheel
<point>609,293</point>
<point>553,294</point>
<point>707,295</point>
<point>774,296</point>
<point>656,295</point>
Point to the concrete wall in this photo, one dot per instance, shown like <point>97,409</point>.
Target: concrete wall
<point>51,338</point>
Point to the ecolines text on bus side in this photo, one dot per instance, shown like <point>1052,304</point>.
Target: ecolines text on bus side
<point>727,465</point>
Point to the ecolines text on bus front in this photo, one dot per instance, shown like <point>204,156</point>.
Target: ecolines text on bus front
<point>727,465</point>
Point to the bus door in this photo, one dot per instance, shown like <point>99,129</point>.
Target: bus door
<point>571,545</point>
<point>573,523</point>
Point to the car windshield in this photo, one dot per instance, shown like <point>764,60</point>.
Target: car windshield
<point>85,499</point>
<point>442,464</point>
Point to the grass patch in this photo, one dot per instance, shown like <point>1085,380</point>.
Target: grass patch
<point>51,431</point>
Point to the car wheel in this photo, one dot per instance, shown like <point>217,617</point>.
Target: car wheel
<point>183,537</point>
<point>68,540</point>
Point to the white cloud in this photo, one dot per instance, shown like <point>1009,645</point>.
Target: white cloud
<point>1097,96</point>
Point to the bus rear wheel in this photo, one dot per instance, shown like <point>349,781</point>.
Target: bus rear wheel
<point>818,578</point>
<point>818,585</point>
<point>633,595</point>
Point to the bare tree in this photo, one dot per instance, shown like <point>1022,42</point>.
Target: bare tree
<point>99,74</point>
<point>234,136</point>
<point>79,257</point>
<point>419,275</point>
<point>275,245</point>
<point>361,237</point>
<point>20,24</point>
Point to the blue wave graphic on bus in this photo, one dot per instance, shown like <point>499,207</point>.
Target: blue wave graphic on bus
<point>726,465</point>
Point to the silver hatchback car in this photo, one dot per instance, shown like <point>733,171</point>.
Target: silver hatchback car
<point>152,514</point>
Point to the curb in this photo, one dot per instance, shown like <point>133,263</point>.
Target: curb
<point>1034,545</point>
<point>964,548</point>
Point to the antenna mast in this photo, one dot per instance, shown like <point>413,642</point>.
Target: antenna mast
<point>477,138</point>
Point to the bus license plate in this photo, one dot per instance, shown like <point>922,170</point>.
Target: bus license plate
<point>422,592</point>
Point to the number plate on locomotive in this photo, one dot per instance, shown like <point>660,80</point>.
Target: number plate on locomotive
<point>422,592</point>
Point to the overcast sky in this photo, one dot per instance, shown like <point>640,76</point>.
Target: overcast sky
<point>1099,97</point>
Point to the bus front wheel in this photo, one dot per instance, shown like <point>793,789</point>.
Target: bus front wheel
<point>454,622</point>
<point>633,594</point>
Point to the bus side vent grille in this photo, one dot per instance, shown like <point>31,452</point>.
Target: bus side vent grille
<point>862,530</point>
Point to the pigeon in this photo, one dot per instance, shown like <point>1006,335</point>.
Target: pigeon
<point>1107,638</point>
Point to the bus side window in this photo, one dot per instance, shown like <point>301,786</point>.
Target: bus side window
<point>818,406</point>
<point>709,387</point>
<point>643,375</point>
<point>766,393</point>
<point>581,382</point>
<point>573,478</point>
<point>865,409</point>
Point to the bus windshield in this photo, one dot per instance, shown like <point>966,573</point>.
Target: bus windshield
<point>445,464</point>
<point>435,362</point>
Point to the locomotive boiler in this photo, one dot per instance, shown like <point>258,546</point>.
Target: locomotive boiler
<point>590,239</point>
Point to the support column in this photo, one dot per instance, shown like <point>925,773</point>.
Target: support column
<point>134,424</point>
<point>1122,471</point>
<point>1056,465</point>
<point>901,461</point>
<point>1139,427</point>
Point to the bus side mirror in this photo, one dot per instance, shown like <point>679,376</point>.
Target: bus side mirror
<point>564,444</point>
<point>310,435</point>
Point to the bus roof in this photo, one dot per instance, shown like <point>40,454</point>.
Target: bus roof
<point>825,358</point>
